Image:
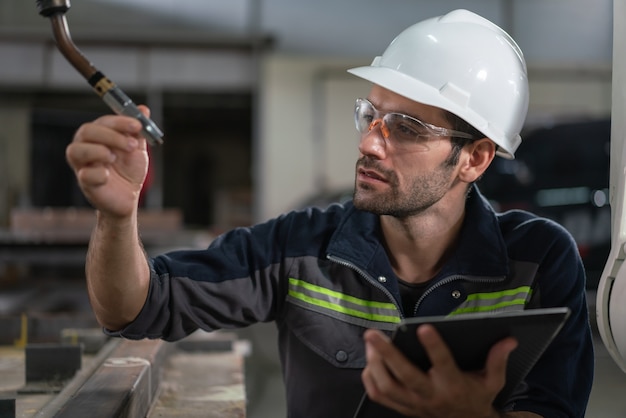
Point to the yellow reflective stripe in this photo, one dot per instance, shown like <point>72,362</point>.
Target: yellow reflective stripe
<point>339,297</point>
<point>496,306</point>
<point>483,302</point>
<point>338,308</point>
<point>499,295</point>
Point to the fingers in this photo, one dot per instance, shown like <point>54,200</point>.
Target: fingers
<point>388,373</point>
<point>95,143</point>
<point>111,130</point>
<point>376,377</point>
<point>396,362</point>
<point>444,390</point>
<point>93,176</point>
<point>436,349</point>
<point>492,378</point>
<point>443,361</point>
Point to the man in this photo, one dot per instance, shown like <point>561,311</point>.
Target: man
<point>418,239</point>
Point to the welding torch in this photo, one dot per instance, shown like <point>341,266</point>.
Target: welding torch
<point>112,95</point>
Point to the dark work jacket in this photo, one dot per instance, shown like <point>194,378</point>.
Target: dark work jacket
<point>324,277</point>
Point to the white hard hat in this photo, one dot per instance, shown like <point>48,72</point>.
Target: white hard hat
<point>463,63</point>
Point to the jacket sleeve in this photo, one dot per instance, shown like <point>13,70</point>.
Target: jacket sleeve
<point>233,283</point>
<point>560,383</point>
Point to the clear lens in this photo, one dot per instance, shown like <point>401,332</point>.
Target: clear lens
<point>364,115</point>
<point>405,132</point>
<point>406,129</point>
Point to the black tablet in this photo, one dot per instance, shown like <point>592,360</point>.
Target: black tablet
<point>470,336</point>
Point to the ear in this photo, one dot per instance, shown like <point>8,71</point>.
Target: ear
<point>478,156</point>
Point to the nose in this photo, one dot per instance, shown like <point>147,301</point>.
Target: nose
<point>373,142</point>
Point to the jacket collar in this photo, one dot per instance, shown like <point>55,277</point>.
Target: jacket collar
<point>481,249</point>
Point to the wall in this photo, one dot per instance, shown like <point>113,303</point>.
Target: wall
<point>307,131</point>
<point>569,91</point>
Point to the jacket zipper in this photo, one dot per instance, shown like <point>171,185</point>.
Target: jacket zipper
<point>451,279</point>
<point>367,277</point>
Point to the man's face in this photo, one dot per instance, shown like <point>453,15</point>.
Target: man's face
<point>402,183</point>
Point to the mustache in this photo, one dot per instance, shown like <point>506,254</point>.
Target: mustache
<point>372,164</point>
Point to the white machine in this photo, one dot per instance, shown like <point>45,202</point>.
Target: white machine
<point>611,298</point>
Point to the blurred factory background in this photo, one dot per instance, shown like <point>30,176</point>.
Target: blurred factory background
<point>256,107</point>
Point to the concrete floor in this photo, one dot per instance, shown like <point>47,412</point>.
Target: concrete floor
<point>265,388</point>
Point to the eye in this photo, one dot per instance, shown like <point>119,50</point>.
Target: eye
<point>367,117</point>
<point>407,130</point>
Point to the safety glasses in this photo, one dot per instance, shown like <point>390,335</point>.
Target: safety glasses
<point>404,132</point>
